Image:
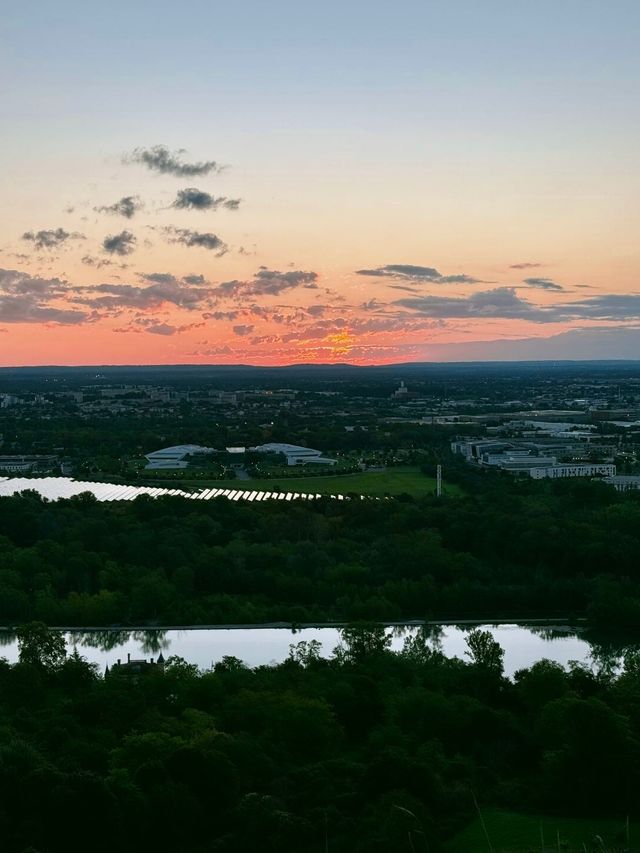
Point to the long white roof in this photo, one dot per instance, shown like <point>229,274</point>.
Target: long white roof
<point>178,451</point>
<point>287,449</point>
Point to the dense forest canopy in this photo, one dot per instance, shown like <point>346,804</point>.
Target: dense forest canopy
<point>506,549</point>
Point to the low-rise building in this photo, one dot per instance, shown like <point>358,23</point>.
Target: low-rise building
<point>624,482</point>
<point>294,454</point>
<point>20,464</point>
<point>555,472</point>
<point>174,458</point>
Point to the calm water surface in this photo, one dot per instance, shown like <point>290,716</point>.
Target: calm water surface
<point>523,646</point>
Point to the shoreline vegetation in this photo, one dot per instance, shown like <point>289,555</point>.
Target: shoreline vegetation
<point>552,625</point>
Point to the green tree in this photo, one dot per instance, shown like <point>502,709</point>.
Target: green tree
<point>484,651</point>
<point>40,646</point>
<point>362,641</point>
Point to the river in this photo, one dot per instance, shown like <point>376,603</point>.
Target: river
<point>523,645</point>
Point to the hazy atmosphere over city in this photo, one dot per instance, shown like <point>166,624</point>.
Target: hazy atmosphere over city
<point>279,183</point>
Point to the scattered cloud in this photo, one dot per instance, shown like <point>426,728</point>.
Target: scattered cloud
<point>411,272</point>
<point>26,299</point>
<point>123,243</point>
<point>524,266</point>
<point>193,199</point>
<point>221,315</point>
<point>243,330</point>
<point>268,282</point>
<point>162,160</point>
<point>610,306</point>
<point>406,287</point>
<point>127,206</point>
<point>52,238</point>
<point>97,263</point>
<point>114,296</point>
<point>503,302</point>
<point>499,302</point>
<point>190,238</point>
<point>543,283</point>
<point>158,277</point>
<point>158,327</point>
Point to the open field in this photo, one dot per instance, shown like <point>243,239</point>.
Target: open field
<point>509,832</point>
<point>394,481</point>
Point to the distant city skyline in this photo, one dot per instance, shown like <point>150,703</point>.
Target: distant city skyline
<point>352,182</point>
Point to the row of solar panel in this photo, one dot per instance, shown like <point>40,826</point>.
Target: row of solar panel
<point>54,488</point>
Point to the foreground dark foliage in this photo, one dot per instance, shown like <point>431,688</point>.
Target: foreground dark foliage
<point>369,751</point>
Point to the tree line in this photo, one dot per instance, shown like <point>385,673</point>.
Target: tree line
<point>505,550</point>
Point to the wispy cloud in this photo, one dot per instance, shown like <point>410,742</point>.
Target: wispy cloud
<point>499,302</point>
<point>158,327</point>
<point>412,272</point>
<point>52,238</point>
<point>161,159</point>
<point>27,299</point>
<point>152,296</point>
<point>268,282</point>
<point>543,284</point>
<point>194,199</point>
<point>503,302</point>
<point>127,206</point>
<point>243,329</point>
<point>98,263</point>
<point>190,238</point>
<point>123,243</point>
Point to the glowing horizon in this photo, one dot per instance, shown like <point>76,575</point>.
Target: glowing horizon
<point>286,191</point>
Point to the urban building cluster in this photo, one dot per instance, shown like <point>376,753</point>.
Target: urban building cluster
<point>183,455</point>
<point>160,424</point>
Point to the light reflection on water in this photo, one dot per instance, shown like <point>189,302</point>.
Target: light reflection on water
<point>259,646</point>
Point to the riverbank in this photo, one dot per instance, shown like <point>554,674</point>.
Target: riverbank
<point>552,625</point>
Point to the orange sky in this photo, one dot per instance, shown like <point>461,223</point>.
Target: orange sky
<point>290,186</point>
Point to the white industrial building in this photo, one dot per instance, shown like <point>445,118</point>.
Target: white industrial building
<point>557,471</point>
<point>526,460</point>
<point>624,482</point>
<point>294,454</point>
<point>174,458</point>
<point>23,464</point>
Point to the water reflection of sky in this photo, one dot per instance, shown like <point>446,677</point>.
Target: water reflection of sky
<point>257,646</point>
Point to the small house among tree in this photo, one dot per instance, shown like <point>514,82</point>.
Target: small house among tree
<point>136,666</point>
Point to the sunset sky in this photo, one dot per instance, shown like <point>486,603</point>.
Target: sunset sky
<point>282,182</point>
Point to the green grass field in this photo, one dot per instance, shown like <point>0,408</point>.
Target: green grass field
<point>394,481</point>
<point>516,833</point>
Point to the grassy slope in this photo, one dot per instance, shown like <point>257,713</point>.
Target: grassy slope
<point>515,833</point>
<point>395,481</point>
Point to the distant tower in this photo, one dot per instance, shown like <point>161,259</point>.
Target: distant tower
<point>439,481</point>
<point>401,391</point>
